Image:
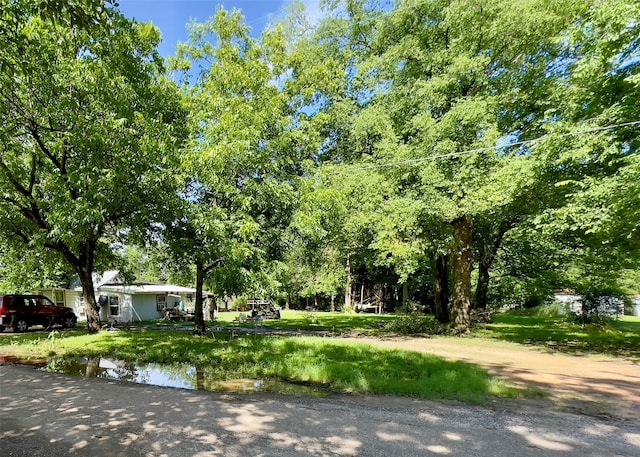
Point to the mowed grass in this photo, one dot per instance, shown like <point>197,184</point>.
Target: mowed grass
<point>297,321</point>
<point>619,337</point>
<point>336,366</point>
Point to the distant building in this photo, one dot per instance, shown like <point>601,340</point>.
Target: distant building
<point>604,305</point>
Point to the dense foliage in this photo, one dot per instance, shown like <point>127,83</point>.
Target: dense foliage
<point>89,125</point>
<point>448,154</point>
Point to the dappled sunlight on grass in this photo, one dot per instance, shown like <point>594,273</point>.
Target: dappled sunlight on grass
<point>618,337</point>
<point>314,320</point>
<point>336,366</point>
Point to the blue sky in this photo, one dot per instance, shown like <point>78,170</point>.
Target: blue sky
<point>171,16</point>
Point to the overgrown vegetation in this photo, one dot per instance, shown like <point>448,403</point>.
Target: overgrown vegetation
<point>415,324</point>
<point>334,365</point>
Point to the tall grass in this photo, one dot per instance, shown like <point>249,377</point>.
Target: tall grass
<point>337,366</point>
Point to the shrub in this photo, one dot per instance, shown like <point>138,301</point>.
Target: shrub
<point>409,307</point>
<point>239,303</point>
<point>309,318</point>
<point>348,309</point>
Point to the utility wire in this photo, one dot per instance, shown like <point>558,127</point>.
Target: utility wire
<point>485,149</point>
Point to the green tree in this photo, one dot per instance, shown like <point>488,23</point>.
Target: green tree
<point>592,149</point>
<point>247,145</point>
<point>89,127</point>
<point>24,270</point>
<point>436,88</point>
<point>605,79</point>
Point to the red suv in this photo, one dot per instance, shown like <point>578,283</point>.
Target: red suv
<point>22,311</point>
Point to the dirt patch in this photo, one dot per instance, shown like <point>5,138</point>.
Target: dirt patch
<point>599,386</point>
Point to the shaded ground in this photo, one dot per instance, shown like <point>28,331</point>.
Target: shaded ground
<point>594,385</point>
<point>53,415</point>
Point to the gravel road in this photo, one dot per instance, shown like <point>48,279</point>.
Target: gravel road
<point>45,414</point>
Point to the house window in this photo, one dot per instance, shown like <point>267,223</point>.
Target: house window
<point>161,302</point>
<point>114,306</point>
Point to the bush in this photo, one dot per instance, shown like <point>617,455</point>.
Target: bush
<point>239,303</point>
<point>309,318</point>
<point>409,307</point>
<point>348,309</point>
<point>412,324</point>
<point>549,309</point>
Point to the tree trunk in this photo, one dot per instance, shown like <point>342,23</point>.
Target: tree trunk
<point>405,292</point>
<point>462,266</point>
<point>333,303</point>
<point>199,327</point>
<point>347,294</point>
<point>200,384</point>
<point>89,298</point>
<point>488,252</point>
<point>482,286</point>
<point>440,278</point>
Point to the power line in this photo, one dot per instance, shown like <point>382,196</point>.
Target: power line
<point>485,149</point>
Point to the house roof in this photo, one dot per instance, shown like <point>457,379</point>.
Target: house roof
<point>148,289</point>
<point>109,277</point>
<point>113,281</point>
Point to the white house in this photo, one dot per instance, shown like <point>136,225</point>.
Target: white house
<point>605,305</point>
<point>122,302</point>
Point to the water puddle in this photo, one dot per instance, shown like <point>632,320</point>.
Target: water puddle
<point>181,376</point>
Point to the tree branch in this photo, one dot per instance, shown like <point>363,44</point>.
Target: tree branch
<point>33,129</point>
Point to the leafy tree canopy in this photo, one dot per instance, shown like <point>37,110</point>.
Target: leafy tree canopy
<point>88,130</point>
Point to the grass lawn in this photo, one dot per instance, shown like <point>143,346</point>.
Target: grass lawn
<point>316,320</point>
<point>619,337</point>
<point>334,365</point>
<point>320,321</point>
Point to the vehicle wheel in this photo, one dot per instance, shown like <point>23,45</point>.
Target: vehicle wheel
<point>20,325</point>
<point>69,321</point>
<point>1,328</point>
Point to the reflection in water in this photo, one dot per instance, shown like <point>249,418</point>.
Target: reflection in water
<point>199,379</point>
<point>177,375</point>
<point>93,368</point>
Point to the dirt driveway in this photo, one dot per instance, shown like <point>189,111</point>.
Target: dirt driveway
<point>594,385</point>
